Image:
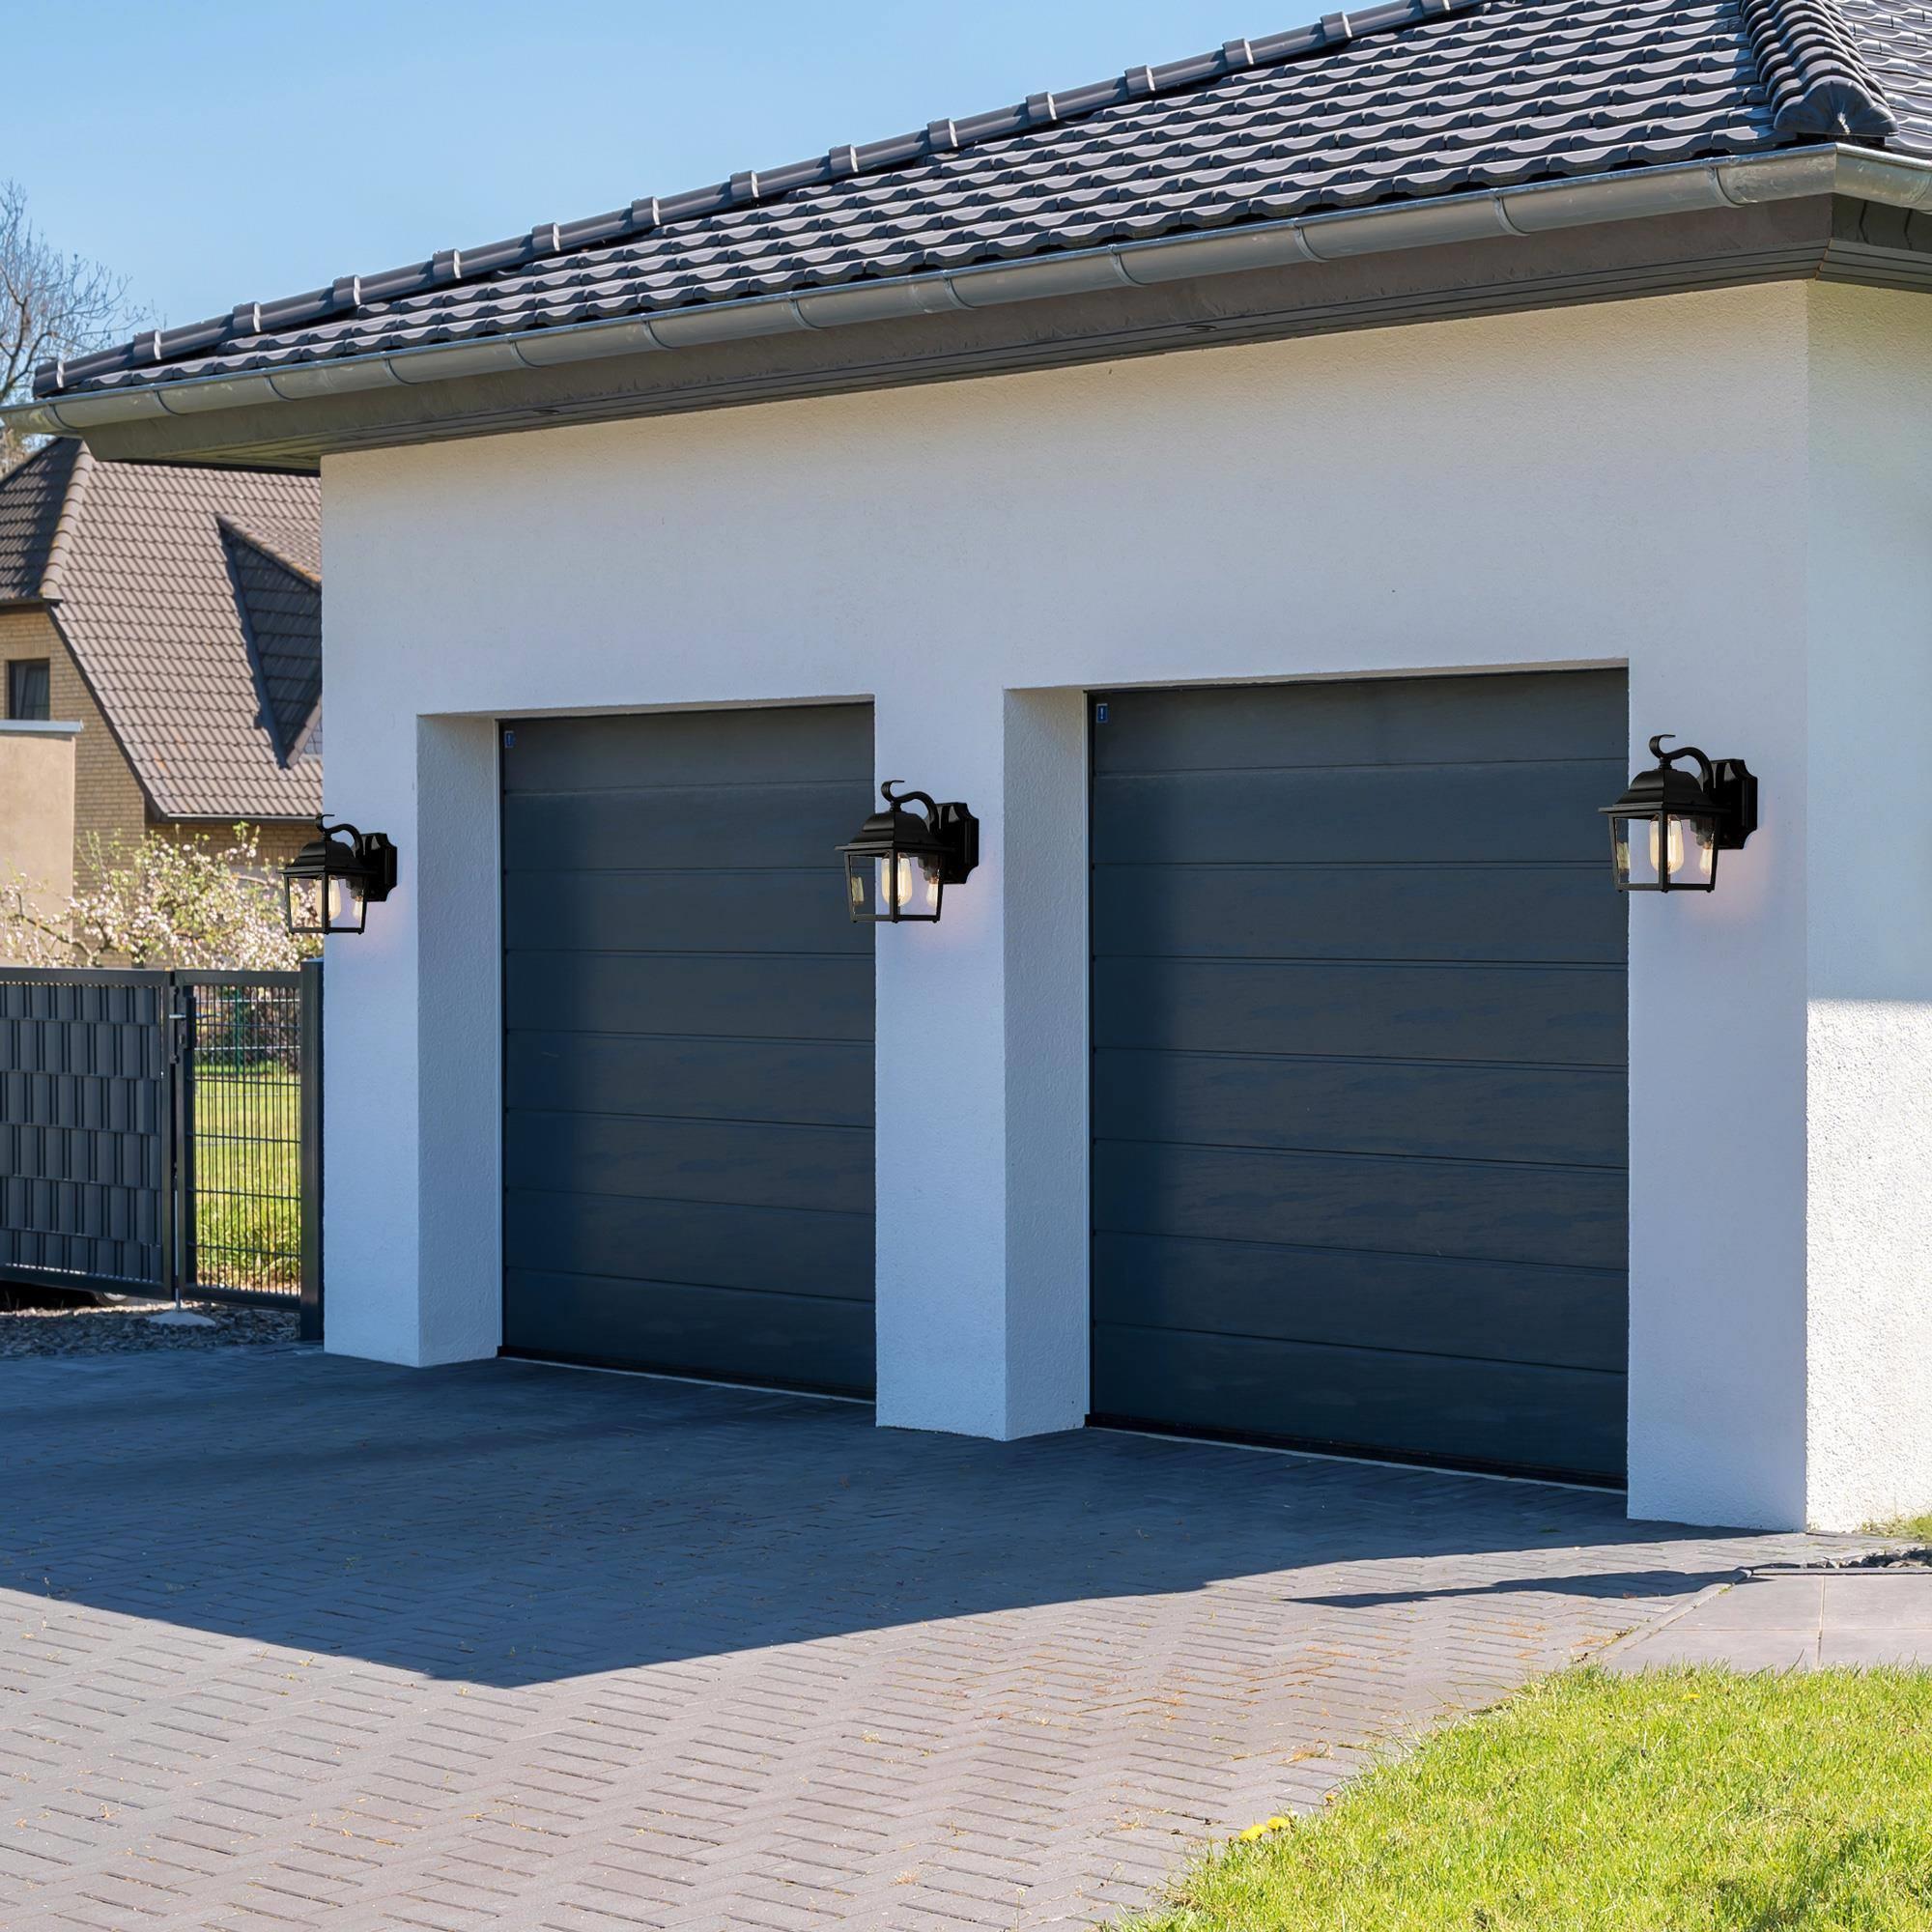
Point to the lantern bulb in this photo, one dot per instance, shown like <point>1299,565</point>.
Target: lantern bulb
<point>1660,846</point>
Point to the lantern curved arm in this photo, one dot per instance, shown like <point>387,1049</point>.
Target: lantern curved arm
<point>374,852</point>
<point>1707,773</point>
<point>897,798</point>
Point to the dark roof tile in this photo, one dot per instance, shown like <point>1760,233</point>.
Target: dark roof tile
<point>1405,99</point>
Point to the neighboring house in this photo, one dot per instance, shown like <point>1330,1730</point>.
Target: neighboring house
<point>1280,492</point>
<point>174,615</point>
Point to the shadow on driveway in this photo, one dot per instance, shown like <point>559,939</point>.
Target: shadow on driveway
<point>506,1523</point>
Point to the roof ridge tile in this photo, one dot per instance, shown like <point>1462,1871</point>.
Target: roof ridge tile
<point>1817,80</point>
<point>72,503</point>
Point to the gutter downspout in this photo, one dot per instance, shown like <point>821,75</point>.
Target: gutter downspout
<point>1538,209</point>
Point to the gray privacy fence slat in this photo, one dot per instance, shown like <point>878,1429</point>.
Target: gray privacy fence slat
<point>160,1132</point>
<point>85,1128</point>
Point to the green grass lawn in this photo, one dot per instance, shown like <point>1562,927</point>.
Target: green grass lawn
<point>1681,1801</point>
<point>248,1172</point>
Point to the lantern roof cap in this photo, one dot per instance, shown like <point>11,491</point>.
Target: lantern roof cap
<point>1665,790</point>
<point>898,830</point>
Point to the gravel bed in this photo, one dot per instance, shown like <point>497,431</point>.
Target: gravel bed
<point>124,1329</point>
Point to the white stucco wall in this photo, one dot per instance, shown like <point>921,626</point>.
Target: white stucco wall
<point>1619,483</point>
<point>1869,963</point>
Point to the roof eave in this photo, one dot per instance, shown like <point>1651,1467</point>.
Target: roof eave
<point>1531,210</point>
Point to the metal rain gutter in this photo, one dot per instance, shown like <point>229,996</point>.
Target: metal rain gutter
<point>1538,209</point>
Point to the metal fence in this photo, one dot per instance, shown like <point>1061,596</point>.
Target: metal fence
<point>160,1135</point>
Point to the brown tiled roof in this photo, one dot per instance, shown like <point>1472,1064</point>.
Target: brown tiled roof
<point>191,601</point>
<point>32,496</point>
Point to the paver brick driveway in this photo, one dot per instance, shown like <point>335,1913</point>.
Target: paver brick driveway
<point>288,1641</point>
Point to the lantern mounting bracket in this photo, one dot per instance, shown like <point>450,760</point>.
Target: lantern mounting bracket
<point>1730,784</point>
<point>952,826</point>
<point>374,852</point>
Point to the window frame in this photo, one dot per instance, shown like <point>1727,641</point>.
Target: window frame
<point>20,671</point>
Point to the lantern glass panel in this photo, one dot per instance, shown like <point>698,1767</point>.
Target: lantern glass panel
<point>861,886</point>
<point>1634,852</point>
<point>324,905</point>
<point>304,904</point>
<point>915,886</point>
<point>889,886</point>
<point>345,903</point>
<point>1694,853</point>
<point>1665,852</point>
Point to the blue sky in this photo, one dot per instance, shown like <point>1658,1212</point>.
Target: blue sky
<point>226,151</point>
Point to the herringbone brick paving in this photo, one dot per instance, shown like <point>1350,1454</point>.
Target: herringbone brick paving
<point>291,1641</point>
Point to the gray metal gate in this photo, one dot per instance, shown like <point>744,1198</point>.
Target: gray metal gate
<point>160,1135</point>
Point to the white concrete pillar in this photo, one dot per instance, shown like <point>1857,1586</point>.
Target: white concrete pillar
<point>1716,1148</point>
<point>1781,1030</point>
<point>1716,1069</point>
<point>411,1253</point>
<point>1869,1036</point>
<point>982,1078</point>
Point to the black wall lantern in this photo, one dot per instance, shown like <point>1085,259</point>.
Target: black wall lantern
<point>1668,828</point>
<point>329,885</point>
<point>899,863</point>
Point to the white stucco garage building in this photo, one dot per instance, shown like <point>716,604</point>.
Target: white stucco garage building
<point>1280,494</point>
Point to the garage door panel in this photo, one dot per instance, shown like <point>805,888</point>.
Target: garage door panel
<point>1562,1421</point>
<point>1529,914</point>
<point>1359,1073</point>
<point>753,827</point>
<point>1535,1016</point>
<point>1474,1112</point>
<point>728,1334</point>
<point>826,1083</point>
<point>688,1145</point>
<point>797,745</point>
<point>1515,814</point>
<point>1424,1304</point>
<point>702,910</point>
<point>696,1242</point>
<point>785,998</point>
<point>732,1162</point>
<point>1393,720</point>
<point>1568,1216</point>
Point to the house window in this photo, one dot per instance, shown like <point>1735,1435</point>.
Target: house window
<point>27,687</point>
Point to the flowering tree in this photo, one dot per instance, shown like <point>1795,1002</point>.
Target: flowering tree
<point>161,902</point>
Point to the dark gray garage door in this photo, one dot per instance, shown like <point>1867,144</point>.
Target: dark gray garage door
<point>1359,1069</point>
<point>688,1067</point>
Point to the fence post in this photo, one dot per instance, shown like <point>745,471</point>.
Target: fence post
<point>165,1035</point>
<point>184,1001</point>
<point>310,1065</point>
